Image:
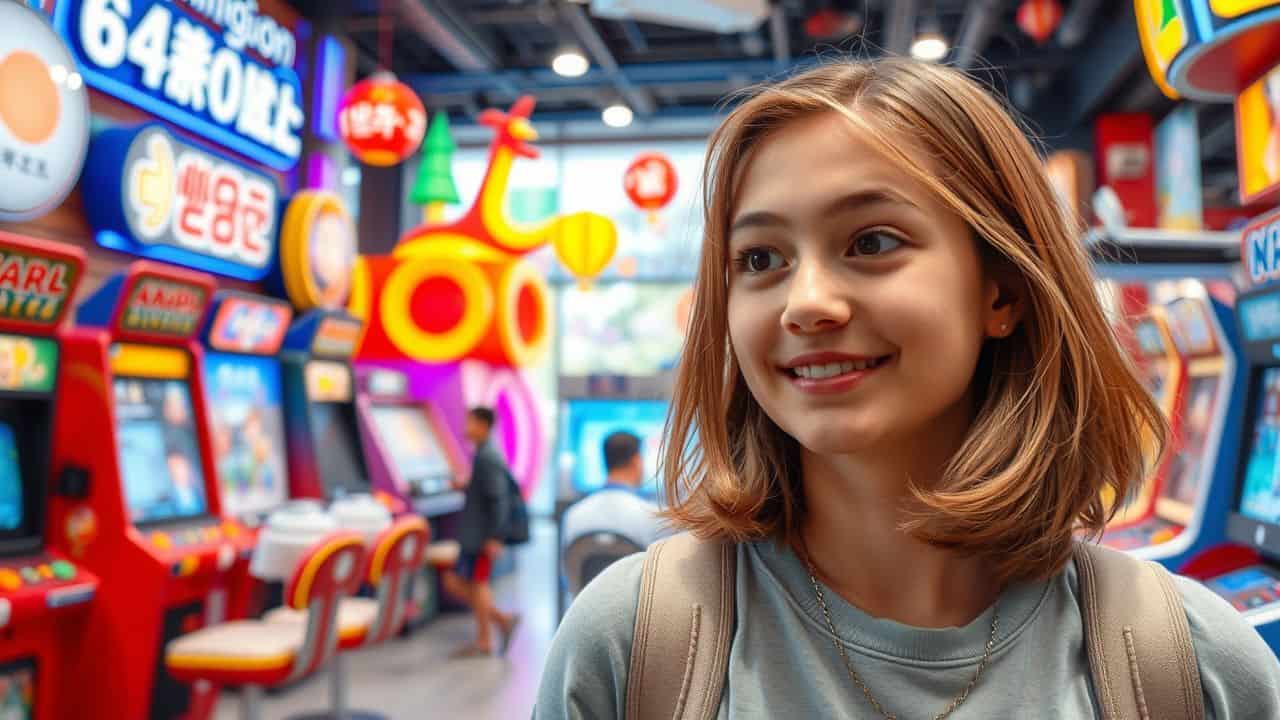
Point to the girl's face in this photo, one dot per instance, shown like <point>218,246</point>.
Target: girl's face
<point>858,302</point>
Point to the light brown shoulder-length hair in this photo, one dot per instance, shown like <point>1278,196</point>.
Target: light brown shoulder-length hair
<point>1059,412</point>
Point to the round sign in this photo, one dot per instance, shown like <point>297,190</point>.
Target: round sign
<point>382,121</point>
<point>44,115</point>
<point>318,250</point>
<point>650,181</point>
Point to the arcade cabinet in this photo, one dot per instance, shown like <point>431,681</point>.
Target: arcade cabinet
<point>1185,511</point>
<point>244,392</point>
<point>135,426</point>
<point>1162,372</point>
<point>412,455</point>
<point>1249,576</point>
<point>45,593</point>
<point>326,454</point>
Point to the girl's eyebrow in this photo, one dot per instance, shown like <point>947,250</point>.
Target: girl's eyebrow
<point>853,201</point>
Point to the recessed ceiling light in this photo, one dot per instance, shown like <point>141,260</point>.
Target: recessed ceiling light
<point>930,47</point>
<point>570,63</point>
<point>617,116</point>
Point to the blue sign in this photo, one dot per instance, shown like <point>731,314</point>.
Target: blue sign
<point>1260,250</point>
<point>215,67</point>
<point>1260,317</point>
<point>160,197</point>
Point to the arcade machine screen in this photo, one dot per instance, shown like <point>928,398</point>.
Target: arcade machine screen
<point>159,453</point>
<point>1152,345</point>
<point>414,448</point>
<point>247,424</point>
<point>1182,484</point>
<point>1260,497</point>
<point>17,690</point>
<point>12,506</point>
<point>341,466</point>
<point>591,421</point>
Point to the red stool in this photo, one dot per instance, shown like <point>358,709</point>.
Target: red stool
<point>253,654</point>
<point>396,556</point>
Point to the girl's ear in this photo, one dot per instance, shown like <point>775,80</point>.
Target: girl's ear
<point>1006,303</point>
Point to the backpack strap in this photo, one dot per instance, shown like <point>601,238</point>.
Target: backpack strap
<point>684,626</point>
<point>1137,638</point>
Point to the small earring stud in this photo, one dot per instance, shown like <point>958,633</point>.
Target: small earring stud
<point>1004,327</point>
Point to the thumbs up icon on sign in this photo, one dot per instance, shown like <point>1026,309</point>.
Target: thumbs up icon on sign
<point>151,187</point>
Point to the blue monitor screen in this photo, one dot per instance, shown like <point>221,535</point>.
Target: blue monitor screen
<point>1260,498</point>
<point>586,424</point>
<point>11,505</point>
<point>159,454</point>
<point>411,440</point>
<point>246,424</point>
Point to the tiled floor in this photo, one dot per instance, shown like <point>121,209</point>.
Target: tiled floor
<point>413,678</point>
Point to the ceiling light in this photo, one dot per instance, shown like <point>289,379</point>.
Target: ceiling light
<point>930,47</point>
<point>570,63</point>
<point>351,176</point>
<point>617,116</point>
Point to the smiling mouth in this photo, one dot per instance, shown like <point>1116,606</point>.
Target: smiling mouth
<point>835,370</point>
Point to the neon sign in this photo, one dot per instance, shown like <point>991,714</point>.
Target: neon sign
<point>1260,251</point>
<point>216,67</point>
<point>164,307</point>
<point>249,325</point>
<point>169,200</point>
<point>337,337</point>
<point>34,288</point>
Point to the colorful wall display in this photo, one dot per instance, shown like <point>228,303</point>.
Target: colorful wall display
<point>219,68</point>
<point>44,115</point>
<point>464,289</point>
<point>164,198</point>
<point>1207,49</point>
<point>318,248</point>
<point>382,121</point>
<point>1179,198</point>
<point>1258,138</point>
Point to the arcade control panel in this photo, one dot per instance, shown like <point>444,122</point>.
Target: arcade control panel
<point>32,585</point>
<point>1251,589</point>
<point>198,547</point>
<point>1154,531</point>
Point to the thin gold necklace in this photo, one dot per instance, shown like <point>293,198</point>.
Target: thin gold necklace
<point>857,679</point>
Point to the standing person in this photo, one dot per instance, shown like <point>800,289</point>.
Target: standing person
<point>905,401</point>
<point>481,537</point>
<point>617,507</point>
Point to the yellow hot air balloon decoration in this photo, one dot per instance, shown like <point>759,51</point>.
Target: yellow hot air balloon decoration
<point>585,243</point>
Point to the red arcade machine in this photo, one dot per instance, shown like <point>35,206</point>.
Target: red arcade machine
<point>136,425</point>
<point>43,592</point>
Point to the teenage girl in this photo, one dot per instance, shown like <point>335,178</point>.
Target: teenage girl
<point>903,400</point>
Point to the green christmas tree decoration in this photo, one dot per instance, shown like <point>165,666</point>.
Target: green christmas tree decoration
<point>434,187</point>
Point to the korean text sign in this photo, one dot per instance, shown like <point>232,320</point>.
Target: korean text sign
<point>166,199</point>
<point>216,67</point>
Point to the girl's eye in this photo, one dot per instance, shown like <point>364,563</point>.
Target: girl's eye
<point>759,260</point>
<point>876,242</point>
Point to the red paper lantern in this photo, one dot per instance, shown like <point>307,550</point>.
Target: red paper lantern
<point>1039,18</point>
<point>650,181</point>
<point>382,120</point>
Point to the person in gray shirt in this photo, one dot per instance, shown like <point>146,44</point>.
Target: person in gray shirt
<point>903,402</point>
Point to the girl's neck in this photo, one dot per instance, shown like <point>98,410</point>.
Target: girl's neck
<point>854,508</point>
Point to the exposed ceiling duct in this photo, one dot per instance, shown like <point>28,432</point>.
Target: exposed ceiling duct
<point>900,26</point>
<point>779,36</point>
<point>576,18</point>
<point>979,23</point>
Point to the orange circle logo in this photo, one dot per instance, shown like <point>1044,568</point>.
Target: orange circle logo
<point>29,103</point>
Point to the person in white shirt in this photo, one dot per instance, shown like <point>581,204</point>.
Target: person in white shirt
<point>617,507</point>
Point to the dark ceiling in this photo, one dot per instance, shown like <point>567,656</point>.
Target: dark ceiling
<point>465,55</point>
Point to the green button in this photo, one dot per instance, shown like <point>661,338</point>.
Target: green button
<point>63,570</point>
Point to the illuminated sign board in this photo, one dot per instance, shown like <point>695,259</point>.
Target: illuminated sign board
<point>336,337</point>
<point>34,288</point>
<point>318,250</point>
<point>164,307</point>
<point>1260,317</point>
<point>44,115</point>
<point>166,199</point>
<point>216,67</point>
<point>243,324</point>
<point>328,381</point>
<point>1260,250</point>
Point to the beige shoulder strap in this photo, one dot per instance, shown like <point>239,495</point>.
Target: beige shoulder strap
<point>684,625</point>
<point>1137,638</point>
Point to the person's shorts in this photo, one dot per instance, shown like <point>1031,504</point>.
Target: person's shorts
<point>476,568</point>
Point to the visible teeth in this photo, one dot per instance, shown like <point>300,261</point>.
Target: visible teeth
<point>819,372</point>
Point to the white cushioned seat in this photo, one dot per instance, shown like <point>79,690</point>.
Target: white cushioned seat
<point>243,642</point>
<point>355,615</point>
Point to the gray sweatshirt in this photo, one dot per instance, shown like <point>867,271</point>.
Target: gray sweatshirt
<point>783,665</point>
